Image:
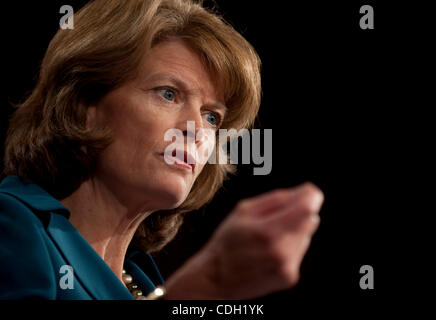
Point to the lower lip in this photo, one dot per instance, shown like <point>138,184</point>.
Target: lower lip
<point>178,165</point>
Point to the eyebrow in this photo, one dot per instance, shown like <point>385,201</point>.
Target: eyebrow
<point>179,83</point>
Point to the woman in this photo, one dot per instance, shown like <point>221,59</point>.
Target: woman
<point>90,190</point>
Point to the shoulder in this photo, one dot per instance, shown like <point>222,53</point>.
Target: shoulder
<point>23,252</point>
<point>13,212</point>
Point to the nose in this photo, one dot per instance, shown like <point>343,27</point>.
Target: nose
<point>199,138</point>
<point>191,123</point>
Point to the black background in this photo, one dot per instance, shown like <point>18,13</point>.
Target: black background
<point>343,115</point>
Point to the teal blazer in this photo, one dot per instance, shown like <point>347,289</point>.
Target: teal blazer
<point>38,244</point>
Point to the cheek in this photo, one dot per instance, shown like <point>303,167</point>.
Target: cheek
<point>138,133</point>
<point>131,163</point>
<point>137,139</point>
<point>129,113</point>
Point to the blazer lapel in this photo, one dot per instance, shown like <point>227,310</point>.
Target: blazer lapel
<point>88,267</point>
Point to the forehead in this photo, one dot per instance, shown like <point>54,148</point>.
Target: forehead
<point>177,60</point>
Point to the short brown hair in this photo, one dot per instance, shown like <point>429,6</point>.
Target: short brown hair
<point>47,141</point>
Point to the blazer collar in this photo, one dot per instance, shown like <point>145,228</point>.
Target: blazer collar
<point>32,195</point>
<point>88,267</point>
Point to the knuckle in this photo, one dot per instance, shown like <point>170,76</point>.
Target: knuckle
<point>293,278</point>
<point>311,204</point>
<point>306,211</point>
<point>316,221</point>
<point>243,205</point>
<point>311,223</point>
<point>313,192</point>
<point>280,193</point>
<point>276,196</point>
<point>285,266</point>
<point>310,187</point>
<point>305,242</point>
<point>290,275</point>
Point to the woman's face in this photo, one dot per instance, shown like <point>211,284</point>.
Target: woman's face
<point>172,87</point>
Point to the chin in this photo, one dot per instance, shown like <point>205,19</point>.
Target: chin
<point>171,201</point>
<point>172,196</point>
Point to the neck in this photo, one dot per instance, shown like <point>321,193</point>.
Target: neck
<point>105,221</point>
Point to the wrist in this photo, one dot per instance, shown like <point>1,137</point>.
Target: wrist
<point>195,280</point>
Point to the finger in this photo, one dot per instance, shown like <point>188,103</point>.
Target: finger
<point>302,213</point>
<point>307,196</point>
<point>295,258</point>
<point>292,247</point>
<point>301,226</point>
<point>266,202</point>
<point>272,201</point>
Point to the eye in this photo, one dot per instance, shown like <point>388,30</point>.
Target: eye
<point>213,118</point>
<point>167,94</point>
